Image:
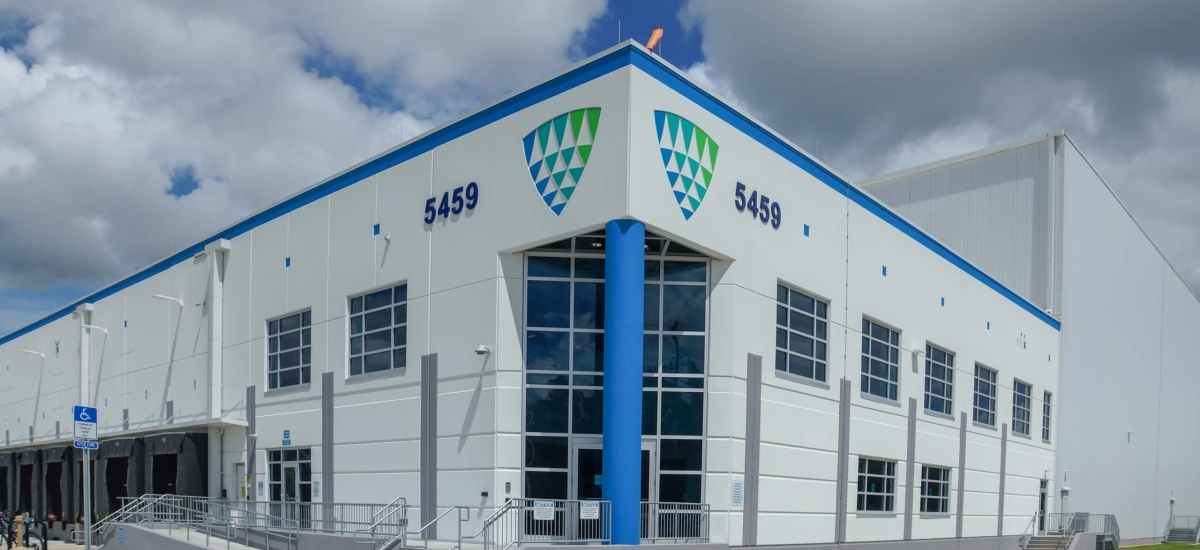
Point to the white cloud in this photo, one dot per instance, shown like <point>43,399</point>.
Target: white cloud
<point>120,94</point>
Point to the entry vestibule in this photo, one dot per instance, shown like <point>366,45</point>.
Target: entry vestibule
<point>564,369</point>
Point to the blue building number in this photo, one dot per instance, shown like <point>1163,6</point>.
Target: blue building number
<point>761,207</point>
<point>452,202</point>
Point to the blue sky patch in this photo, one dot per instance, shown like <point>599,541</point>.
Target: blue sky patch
<point>183,181</point>
<point>326,64</point>
<point>14,32</point>
<point>637,18</point>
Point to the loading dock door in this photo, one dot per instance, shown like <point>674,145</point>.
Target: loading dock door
<point>165,470</point>
<point>26,488</point>
<point>117,481</point>
<point>4,473</point>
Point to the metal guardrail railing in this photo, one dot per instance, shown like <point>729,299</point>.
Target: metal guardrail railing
<point>129,507</point>
<point>1071,524</point>
<point>674,522</point>
<point>544,521</point>
<point>228,513</point>
<point>389,526</point>
<point>1030,530</point>
<point>333,518</point>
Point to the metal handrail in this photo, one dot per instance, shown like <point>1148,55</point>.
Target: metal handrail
<point>674,521</point>
<point>1030,530</point>
<point>267,523</point>
<point>489,526</point>
<point>324,517</point>
<point>435,520</point>
<point>522,521</point>
<point>129,504</point>
<point>1167,527</point>
<point>401,525</point>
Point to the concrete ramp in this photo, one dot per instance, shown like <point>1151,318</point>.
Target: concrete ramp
<point>127,536</point>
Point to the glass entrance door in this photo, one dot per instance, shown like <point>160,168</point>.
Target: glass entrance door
<point>587,471</point>
<point>291,492</point>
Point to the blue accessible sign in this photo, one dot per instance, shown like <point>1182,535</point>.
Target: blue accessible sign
<point>85,422</point>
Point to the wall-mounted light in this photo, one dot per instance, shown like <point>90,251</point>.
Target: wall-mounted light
<point>94,327</point>
<point>168,298</point>
<point>37,353</point>
<point>482,350</point>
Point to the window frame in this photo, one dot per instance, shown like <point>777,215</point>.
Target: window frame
<point>947,382</point>
<point>1027,408</point>
<point>305,369</point>
<point>1047,409</point>
<point>976,411</point>
<point>867,323</point>
<point>819,366</point>
<point>862,494</point>
<point>944,498</point>
<point>657,383</point>
<point>391,328</point>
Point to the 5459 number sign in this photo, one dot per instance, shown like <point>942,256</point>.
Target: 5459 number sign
<point>452,202</point>
<point>761,207</point>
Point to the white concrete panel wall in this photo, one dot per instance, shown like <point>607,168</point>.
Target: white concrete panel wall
<point>840,260</point>
<point>1126,426</point>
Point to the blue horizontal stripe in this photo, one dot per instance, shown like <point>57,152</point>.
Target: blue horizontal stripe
<point>697,95</point>
<point>574,78</point>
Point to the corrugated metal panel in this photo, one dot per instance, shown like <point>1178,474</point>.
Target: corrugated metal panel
<point>995,209</point>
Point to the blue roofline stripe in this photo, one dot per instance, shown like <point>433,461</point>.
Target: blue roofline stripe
<point>578,76</point>
<point>708,102</point>
<point>618,59</point>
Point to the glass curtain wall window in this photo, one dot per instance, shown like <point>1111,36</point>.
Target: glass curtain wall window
<point>1022,405</point>
<point>880,360</point>
<point>984,411</point>
<point>939,380</point>
<point>876,485</point>
<point>379,330</point>
<point>564,363</point>
<point>1046,416</point>
<point>935,490</point>
<point>800,334</point>
<point>289,350</point>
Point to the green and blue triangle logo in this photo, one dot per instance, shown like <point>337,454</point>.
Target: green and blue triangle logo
<point>557,152</point>
<point>689,156</point>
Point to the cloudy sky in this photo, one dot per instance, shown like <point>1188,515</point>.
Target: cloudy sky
<point>129,129</point>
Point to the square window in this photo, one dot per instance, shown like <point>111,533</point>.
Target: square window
<point>984,411</point>
<point>800,335</point>
<point>935,490</point>
<point>939,380</point>
<point>876,485</point>
<point>881,360</point>
<point>289,350</point>
<point>378,330</point>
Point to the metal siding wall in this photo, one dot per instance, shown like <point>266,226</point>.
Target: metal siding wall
<point>991,209</point>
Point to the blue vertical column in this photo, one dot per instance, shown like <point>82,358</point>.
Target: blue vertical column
<point>624,294</point>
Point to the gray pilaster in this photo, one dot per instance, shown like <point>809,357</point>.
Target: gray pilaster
<point>753,446</point>
<point>125,419</point>
<point>843,470</point>
<point>251,441</point>
<point>962,474</point>
<point>1003,465</point>
<point>170,412</point>
<point>327,437</point>
<point>910,468</point>
<point>429,394</point>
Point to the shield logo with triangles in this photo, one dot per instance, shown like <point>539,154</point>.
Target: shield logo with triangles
<point>557,152</point>
<point>689,155</point>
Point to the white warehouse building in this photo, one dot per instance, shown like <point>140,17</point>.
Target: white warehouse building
<point>614,286</point>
